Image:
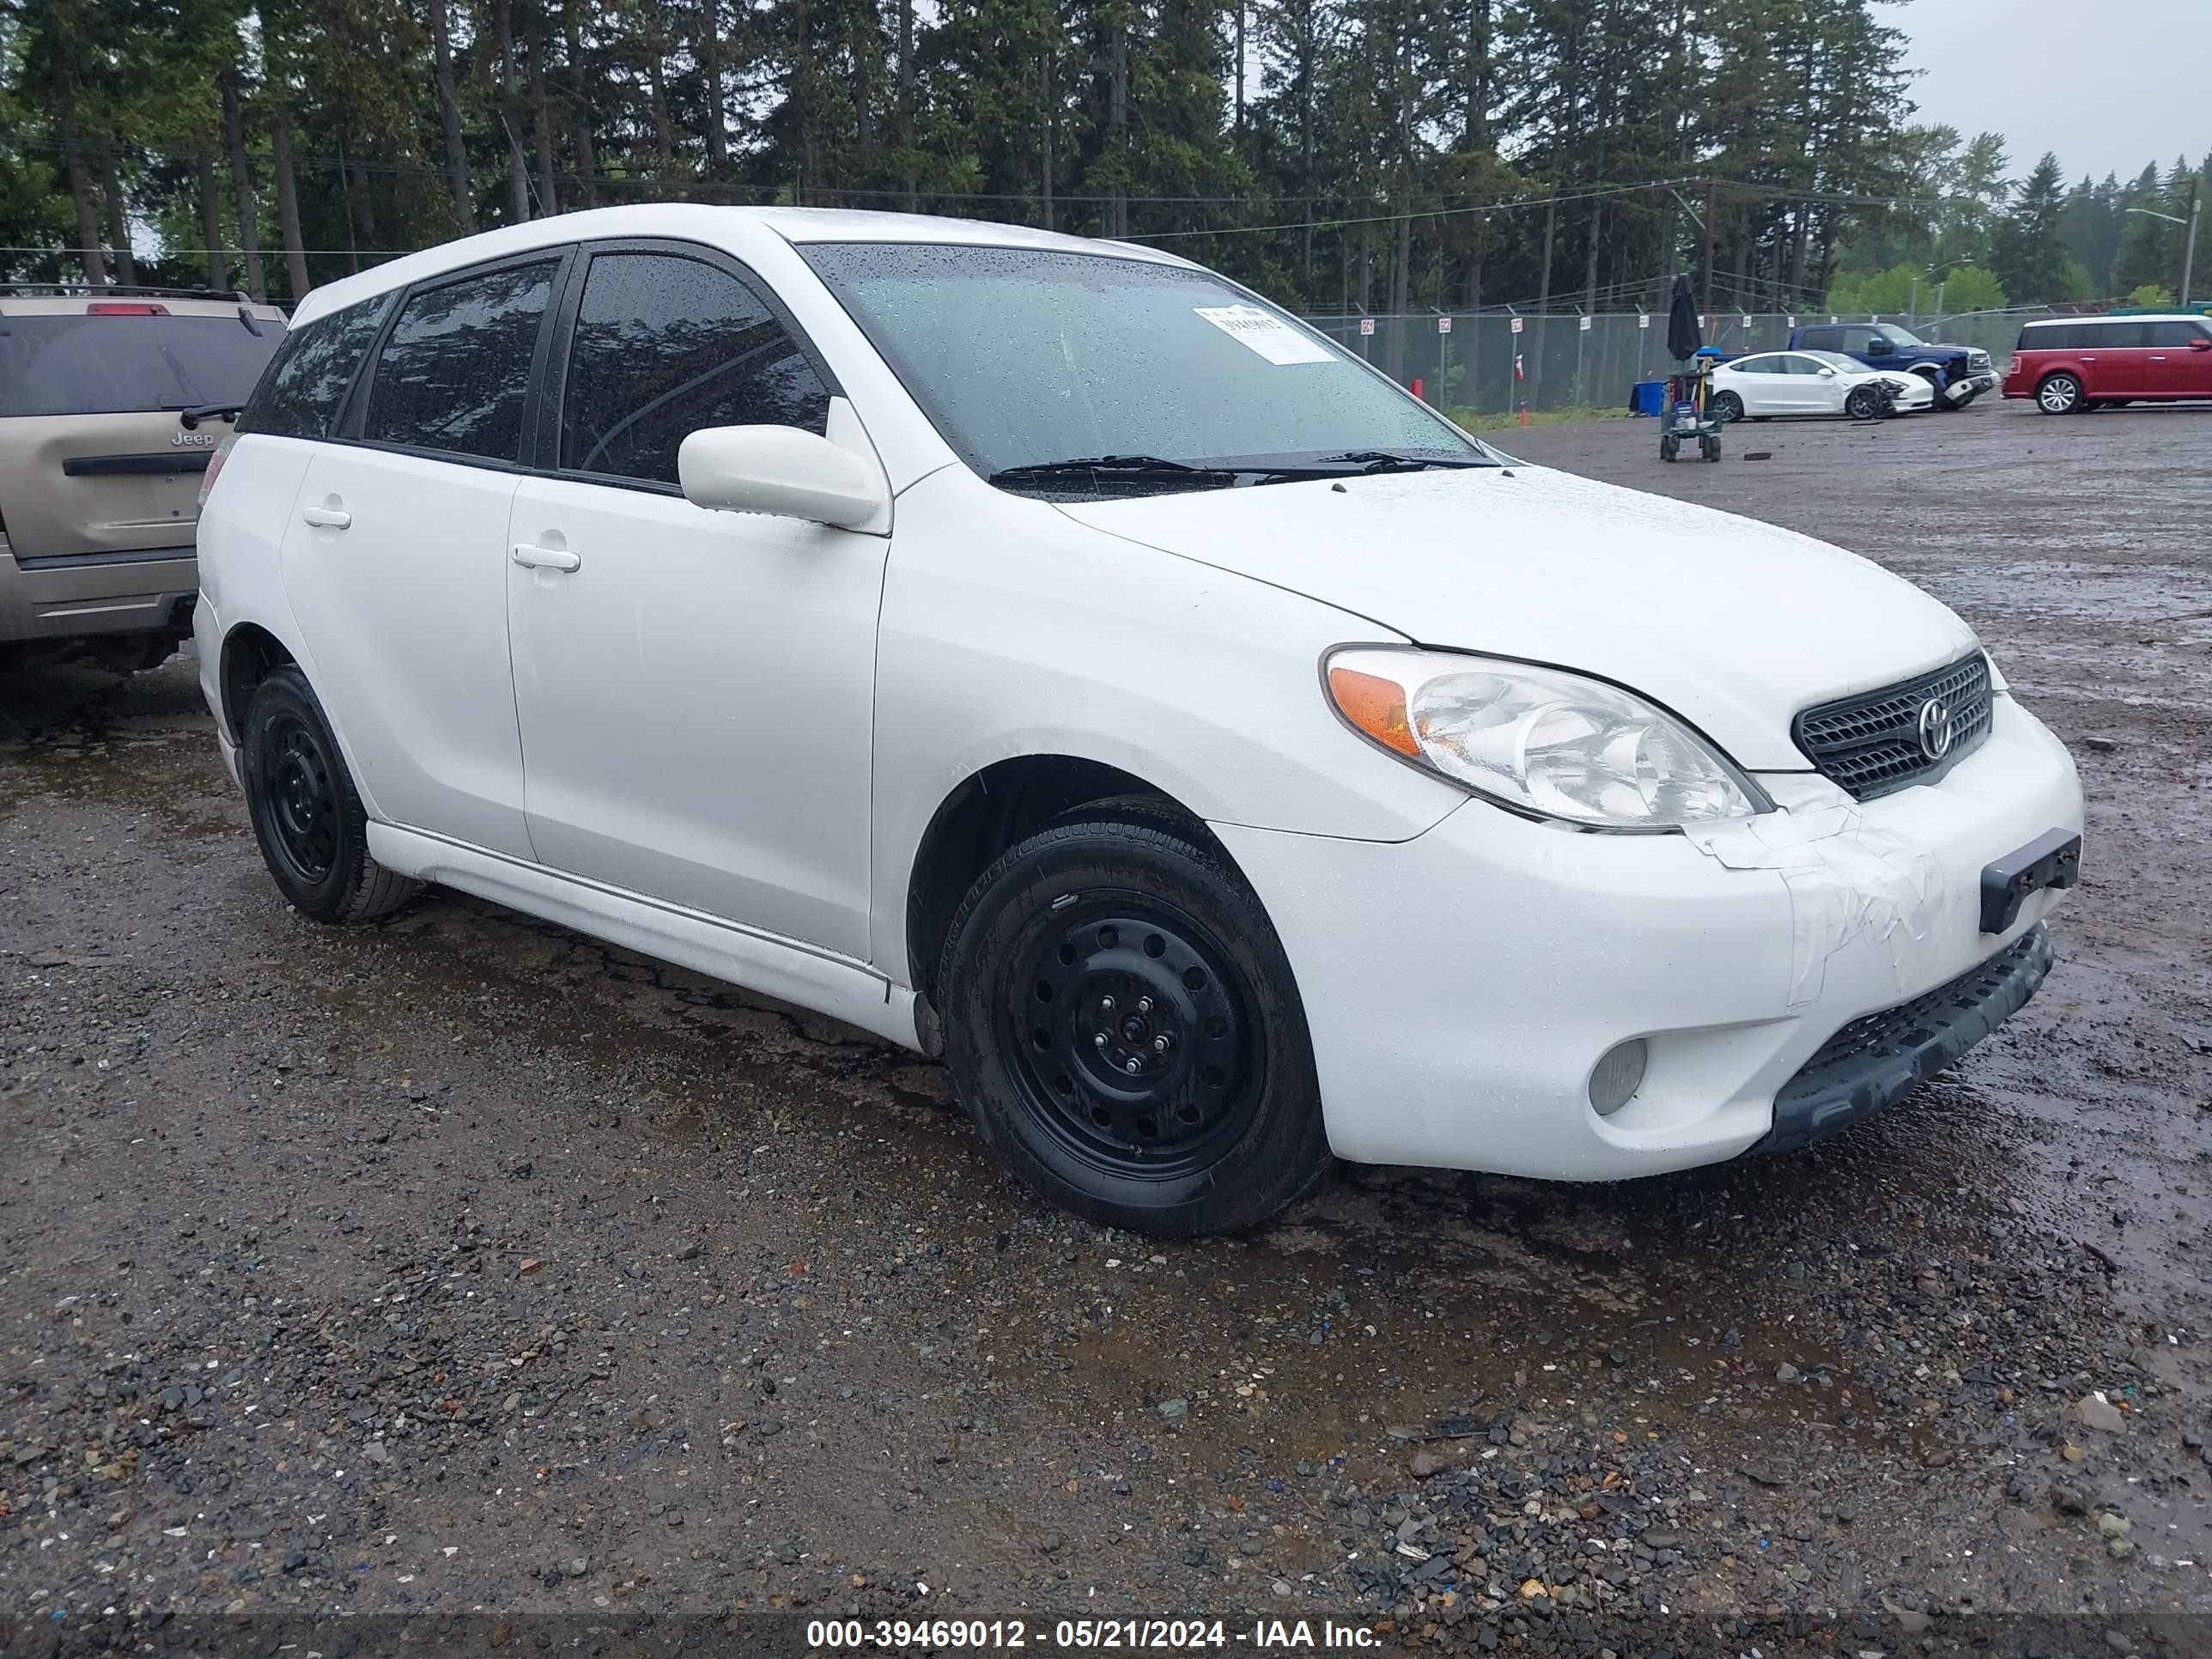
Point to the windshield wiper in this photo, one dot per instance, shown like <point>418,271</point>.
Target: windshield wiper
<point>190,415</point>
<point>1382,461</point>
<point>1113,466</point>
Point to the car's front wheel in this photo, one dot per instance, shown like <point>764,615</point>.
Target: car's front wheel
<point>1727,406</point>
<point>1864,403</point>
<point>1122,1024</point>
<point>306,814</point>
<point>2060,394</point>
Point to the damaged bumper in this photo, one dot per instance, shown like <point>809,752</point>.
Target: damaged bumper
<point>1460,988</point>
<point>1883,1057</point>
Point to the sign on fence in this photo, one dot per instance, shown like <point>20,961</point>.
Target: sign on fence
<point>1516,325</point>
<point>1586,325</point>
<point>1443,325</point>
<point>1366,324</point>
<point>1644,319</point>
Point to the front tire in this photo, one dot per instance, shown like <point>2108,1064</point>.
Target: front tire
<point>1122,1024</point>
<point>1727,407</point>
<point>2060,394</point>
<point>1864,403</point>
<point>308,816</point>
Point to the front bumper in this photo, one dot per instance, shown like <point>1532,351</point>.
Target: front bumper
<point>1460,987</point>
<point>1883,1057</point>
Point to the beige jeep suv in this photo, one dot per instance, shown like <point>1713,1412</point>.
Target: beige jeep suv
<point>111,400</point>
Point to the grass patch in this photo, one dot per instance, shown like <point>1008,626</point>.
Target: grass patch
<point>1472,422</point>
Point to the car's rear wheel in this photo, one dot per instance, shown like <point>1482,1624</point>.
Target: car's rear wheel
<point>2060,394</point>
<point>1122,1024</point>
<point>308,816</point>
<point>1727,406</point>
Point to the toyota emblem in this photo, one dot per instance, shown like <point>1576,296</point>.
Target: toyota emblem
<point>1935,728</point>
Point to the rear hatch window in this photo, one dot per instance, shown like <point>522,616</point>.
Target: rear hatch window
<point>117,364</point>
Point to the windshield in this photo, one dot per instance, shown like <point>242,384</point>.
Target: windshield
<point>1896,336</point>
<point>81,364</point>
<point>1837,359</point>
<point>1024,357</point>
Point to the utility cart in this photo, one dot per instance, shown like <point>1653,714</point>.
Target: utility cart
<point>1686,416</point>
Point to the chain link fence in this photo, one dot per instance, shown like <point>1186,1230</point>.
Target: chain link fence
<point>1494,364</point>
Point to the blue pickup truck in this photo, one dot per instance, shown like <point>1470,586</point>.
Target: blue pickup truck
<point>1959,373</point>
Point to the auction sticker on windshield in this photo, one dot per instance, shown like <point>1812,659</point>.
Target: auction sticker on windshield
<point>1266,334</point>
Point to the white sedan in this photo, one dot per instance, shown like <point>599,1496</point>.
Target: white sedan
<point>1047,654</point>
<point>1777,383</point>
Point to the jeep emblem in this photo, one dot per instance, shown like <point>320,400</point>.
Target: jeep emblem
<point>192,441</point>
<point>1937,729</point>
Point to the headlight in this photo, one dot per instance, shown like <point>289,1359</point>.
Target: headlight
<point>1538,740</point>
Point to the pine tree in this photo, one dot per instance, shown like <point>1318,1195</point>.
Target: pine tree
<point>2031,243</point>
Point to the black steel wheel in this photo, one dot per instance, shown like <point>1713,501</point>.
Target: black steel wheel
<point>303,798</point>
<point>308,816</point>
<point>1133,1039</point>
<point>1123,1026</point>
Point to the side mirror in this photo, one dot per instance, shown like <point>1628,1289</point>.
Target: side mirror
<point>1827,373</point>
<point>2200,342</point>
<point>781,470</point>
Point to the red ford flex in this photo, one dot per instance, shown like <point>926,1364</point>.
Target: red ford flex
<point>2074,364</point>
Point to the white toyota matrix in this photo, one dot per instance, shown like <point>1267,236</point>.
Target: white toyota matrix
<point>1048,653</point>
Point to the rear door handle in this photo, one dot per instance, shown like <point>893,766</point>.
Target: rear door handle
<point>326,518</point>
<point>546,558</point>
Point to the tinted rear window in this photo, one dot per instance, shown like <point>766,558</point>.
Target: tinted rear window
<point>301,394</point>
<point>2058,337</point>
<point>116,365</point>
<point>455,369</point>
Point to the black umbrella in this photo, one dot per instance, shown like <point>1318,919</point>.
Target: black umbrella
<point>1684,337</point>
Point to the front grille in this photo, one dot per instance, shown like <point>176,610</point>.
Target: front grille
<point>1869,746</point>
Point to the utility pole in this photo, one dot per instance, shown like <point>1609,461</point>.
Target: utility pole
<point>1705,304</point>
<point>2189,259</point>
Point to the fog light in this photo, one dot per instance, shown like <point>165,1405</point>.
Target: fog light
<point>1618,1076</point>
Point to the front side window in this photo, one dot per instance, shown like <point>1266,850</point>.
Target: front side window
<point>129,360</point>
<point>665,345</point>
<point>2176,334</point>
<point>1026,358</point>
<point>455,369</point>
<point>308,380</point>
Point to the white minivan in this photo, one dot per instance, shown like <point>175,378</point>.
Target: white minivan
<point>1047,653</point>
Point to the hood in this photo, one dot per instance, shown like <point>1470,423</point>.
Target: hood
<point>1734,624</point>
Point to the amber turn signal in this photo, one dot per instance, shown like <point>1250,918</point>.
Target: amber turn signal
<point>1376,707</point>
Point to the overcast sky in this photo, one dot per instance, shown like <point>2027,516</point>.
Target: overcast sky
<point>2109,84</point>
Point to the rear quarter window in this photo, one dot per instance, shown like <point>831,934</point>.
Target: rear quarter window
<point>2059,337</point>
<point>306,382</point>
<point>88,364</point>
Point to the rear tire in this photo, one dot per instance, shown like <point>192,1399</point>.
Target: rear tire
<point>308,816</point>
<point>1122,1024</point>
<point>2060,394</point>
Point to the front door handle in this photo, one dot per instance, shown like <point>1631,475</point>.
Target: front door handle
<point>546,558</point>
<point>326,518</point>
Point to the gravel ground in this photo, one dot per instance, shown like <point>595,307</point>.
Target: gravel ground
<point>463,1270</point>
